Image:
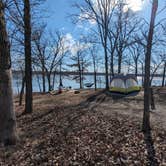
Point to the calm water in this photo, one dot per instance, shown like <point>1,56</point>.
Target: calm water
<point>68,81</point>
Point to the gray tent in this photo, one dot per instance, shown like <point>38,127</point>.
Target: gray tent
<point>124,84</point>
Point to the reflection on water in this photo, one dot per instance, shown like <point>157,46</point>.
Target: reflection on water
<point>68,81</point>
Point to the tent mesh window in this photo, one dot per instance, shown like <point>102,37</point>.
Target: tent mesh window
<point>130,83</point>
<point>119,83</point>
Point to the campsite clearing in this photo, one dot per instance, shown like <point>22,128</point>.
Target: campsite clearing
<point>89,128</point>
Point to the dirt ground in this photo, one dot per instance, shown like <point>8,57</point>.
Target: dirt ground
<point>89,128</point>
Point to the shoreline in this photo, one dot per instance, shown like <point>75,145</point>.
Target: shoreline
<point>76,73</point>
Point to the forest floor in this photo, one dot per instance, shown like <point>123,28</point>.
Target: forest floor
<point>89,128</point>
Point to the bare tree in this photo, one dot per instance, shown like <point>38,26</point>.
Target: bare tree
<point>154,67</point>
<point>7,115</point>
<point>136,51</point>
<point>164,74</point>
<point>28,57</point>
<point>48,54</point>
<point>93,51</point>
<point>54,56</point>
<point>22,16</point>
<point>95,62</point>
<point>39,50</point>
<point>113,39</point>
<point>100,12</point>
<point>20,63</point>
<point>164,55</point>
<point>146,116</point>
<point>127,25</point>
<point>79,61</point>
<point>164,69</point>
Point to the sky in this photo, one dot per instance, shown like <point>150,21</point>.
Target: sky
<point>60,11</point>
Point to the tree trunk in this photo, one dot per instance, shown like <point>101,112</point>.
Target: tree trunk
<point>95,80</point>
<point>53,80</point>
<point>43,80</point>
<point>49,82</point>
<point>60,74</point>
<point>143,75</point>
<point>80,77</point>
<point>7,115</point>
<point>28,60</point>
<point>120,52</point>
<point>146,116</point>
<point>112,65</point>
<point>164,73</point>
<point>136,68</point>
<point>119,62</point>
<point>152,102</point>
<point>106,68</point>
<point>95,75</point>
<point>22,91</point>
<point>80,74</point>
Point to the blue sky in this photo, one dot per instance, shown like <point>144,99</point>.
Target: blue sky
<point>61,9</point>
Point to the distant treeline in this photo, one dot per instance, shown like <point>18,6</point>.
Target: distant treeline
<point>15,72</point>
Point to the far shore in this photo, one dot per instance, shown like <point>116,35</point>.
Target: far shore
<point>76,73</point>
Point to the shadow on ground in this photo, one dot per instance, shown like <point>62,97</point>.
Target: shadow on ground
<point>151,154</point>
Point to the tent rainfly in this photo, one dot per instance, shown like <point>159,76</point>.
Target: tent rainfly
<point>124,84</point>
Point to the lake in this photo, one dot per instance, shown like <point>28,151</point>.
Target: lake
<point>68,81</point>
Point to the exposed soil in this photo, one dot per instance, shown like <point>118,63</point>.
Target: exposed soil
<point>89,128</point>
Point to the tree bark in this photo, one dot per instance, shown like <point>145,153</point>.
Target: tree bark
<point>49,81</point>
<point>43,79</point>
<point>120,52</point>
<point>53,80</point>
<point>164,73</point>
<point>152,102</point>
<point>80,79</point>
<point>143,75</point>
<point>112,65</point>
<point>119,62</point>
<point>28,59</point>
<point>22,91</point>
<point>7,115</point>
<point>136,68</point>
<point>80,73</point>
<point>106,67</point>
<point>60,74</point>
<point>95,75</point>
<point>146,116</point>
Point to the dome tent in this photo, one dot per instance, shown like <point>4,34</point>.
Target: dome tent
<point>124,84</point>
